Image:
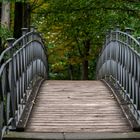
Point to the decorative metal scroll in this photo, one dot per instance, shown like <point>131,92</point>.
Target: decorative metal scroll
<point>21,64</point>
<point>120,60</point>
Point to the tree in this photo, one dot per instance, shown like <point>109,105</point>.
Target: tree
<point>5,23</point>
<point>23,10</point>
<point>22,17</point>
<point>27,14</point>
<point>75,30</point>
<point>5,14</point>
<point>18,19</point>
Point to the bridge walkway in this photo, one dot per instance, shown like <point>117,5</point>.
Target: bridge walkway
<point>76,106</point>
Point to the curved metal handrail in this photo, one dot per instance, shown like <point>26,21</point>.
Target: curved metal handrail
<point>120,61</point>
<point>25,61</point>
<point>27,36</point>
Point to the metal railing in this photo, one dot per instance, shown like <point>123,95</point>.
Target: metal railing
<point>21,64</point>
<point>120,61</point>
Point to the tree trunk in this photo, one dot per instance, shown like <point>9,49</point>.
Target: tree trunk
<point>18,19</point>
<point>26,15</point>
<point>22,17</point>
<point>5,20</point>
<point>70,72</point>
<point>85,60</point>
<point>85,70</point>
<point>5,14</point>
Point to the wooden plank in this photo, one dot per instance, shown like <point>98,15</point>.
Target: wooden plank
<point>74,121</point>
<point>70,129</point>
<point>71,136</point>
<point>76,106</point>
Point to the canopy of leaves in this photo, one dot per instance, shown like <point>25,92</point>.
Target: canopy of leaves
<point>67,25</point>
<point>75,30</point>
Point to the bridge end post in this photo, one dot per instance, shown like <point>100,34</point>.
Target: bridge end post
<point>24,31</point>
<point>129,30</point>
<point>138,38</point>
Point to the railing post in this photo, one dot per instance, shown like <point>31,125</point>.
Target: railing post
<point>32,49</point>
<point>24,31</point>
<point>117,52</point>
<point>12,86</point>
<point>138,49</point>
<point>117,28</point>
<point>138,38</point>
<point>129,30</point>
<point>25,40</point>
<point>10,41</point>
<point>25,60</point>
<point>32,28</point>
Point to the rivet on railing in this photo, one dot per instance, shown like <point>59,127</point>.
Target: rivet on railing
<point>24,31</point>
<point>129,31</point>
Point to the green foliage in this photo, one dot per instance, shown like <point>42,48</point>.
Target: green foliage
<point>75,30</point>
<point>4,34</point>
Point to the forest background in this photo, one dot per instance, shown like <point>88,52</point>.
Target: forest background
<point>73,30</point>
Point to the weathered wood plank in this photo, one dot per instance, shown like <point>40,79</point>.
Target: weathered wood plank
<point>72,136</point>
<point>76,106</point>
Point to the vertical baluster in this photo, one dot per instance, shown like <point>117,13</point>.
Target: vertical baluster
<point>110,64</point>
<point>138,83</point>
<point>37,53</point>
<point>122,83</point>
<point>4,94</point>
<point>106,57</point>
<point>126,68</point>
<point>24,62</point>
<point>28,64</point>
<point>135,76</point>
<point>138,47</point>
<point>12,90</point>
<point>128,42</point>
<point>1,116</point>
<point>117,51</point>
<point>7,89</point>
<point>121,61</point>
<point>32,28</point>
<point>20,77</point>
<point>119,64</point>
<point>130,75</point>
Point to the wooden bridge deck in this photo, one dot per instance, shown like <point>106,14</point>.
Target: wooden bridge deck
<point>76,106</point>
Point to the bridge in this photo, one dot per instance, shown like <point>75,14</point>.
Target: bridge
<point>33,107</point>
